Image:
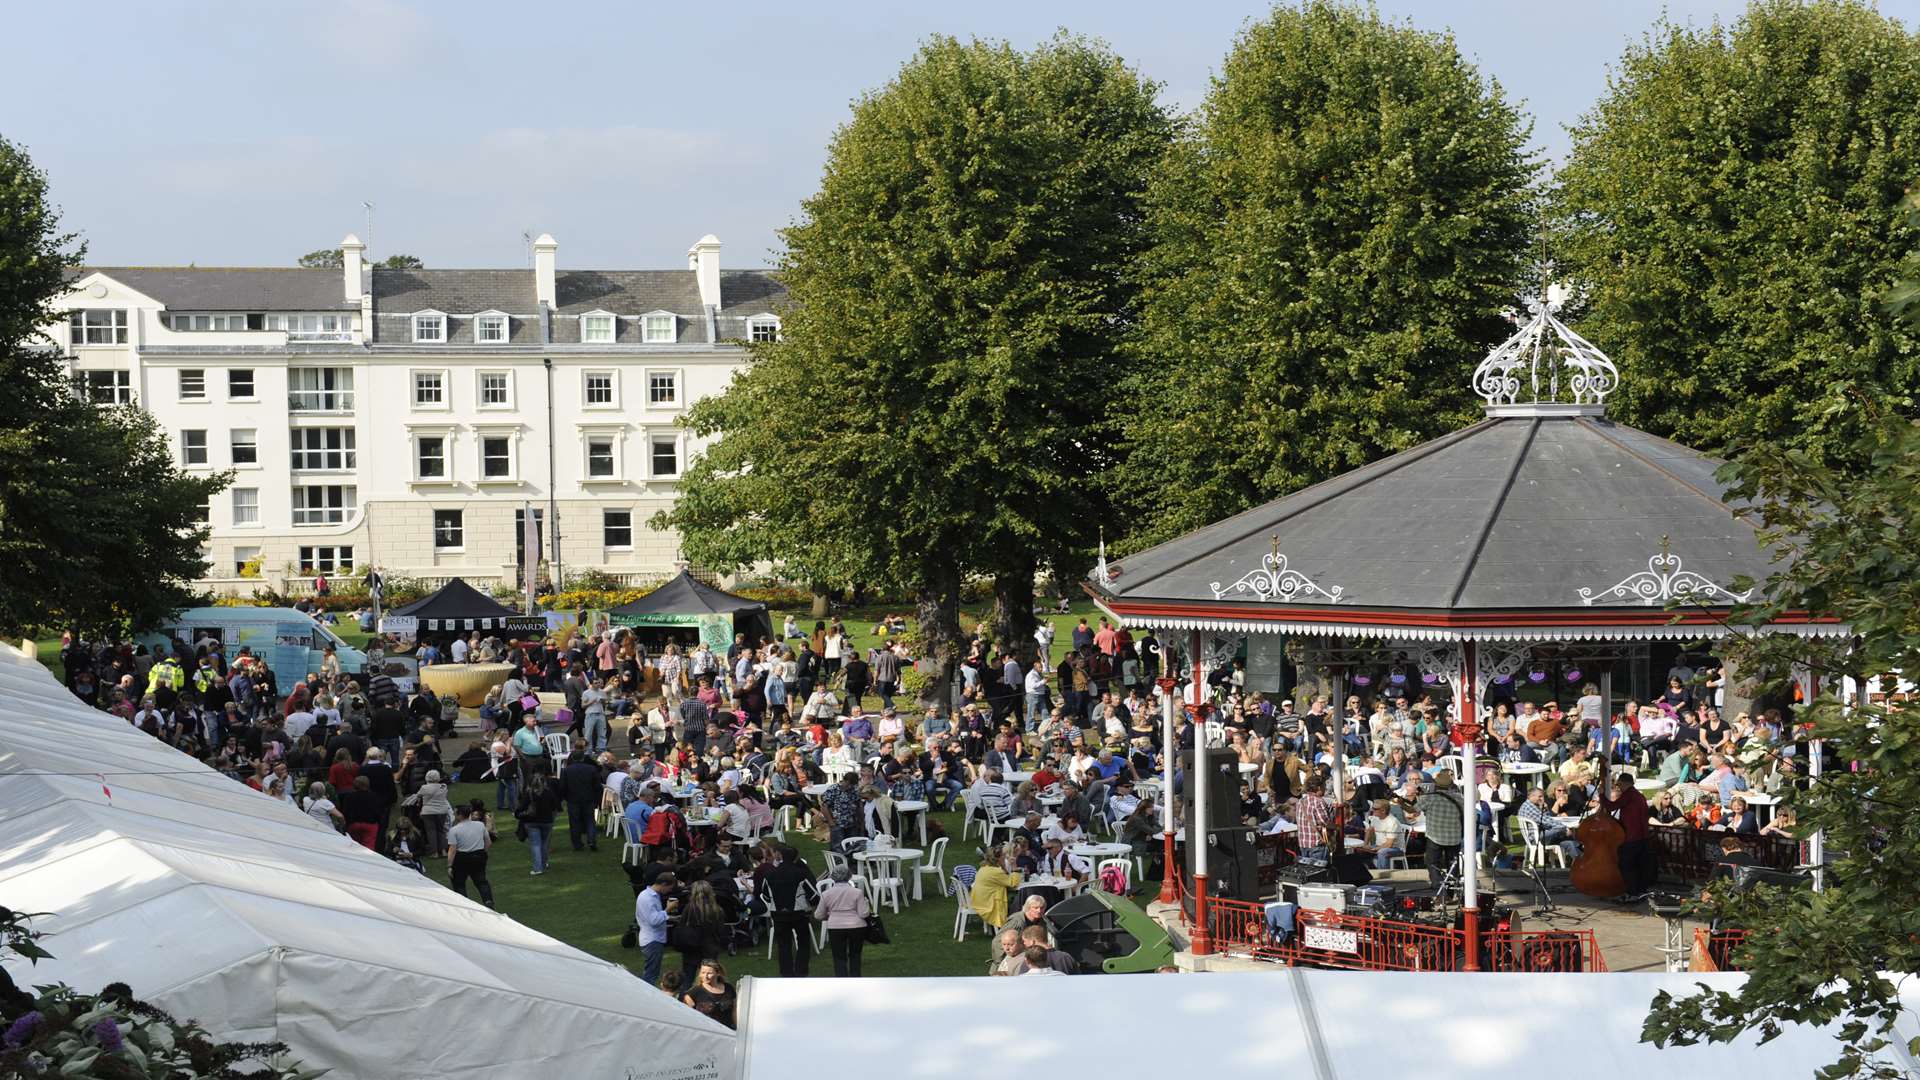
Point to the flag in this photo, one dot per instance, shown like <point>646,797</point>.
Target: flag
<point>104,789</point>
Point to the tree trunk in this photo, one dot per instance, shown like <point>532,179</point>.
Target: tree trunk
<point>937,607</point>
<point>819,601</point>
<point>1013,622</point>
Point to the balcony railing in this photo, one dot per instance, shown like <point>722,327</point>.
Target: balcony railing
<point>320,400</point>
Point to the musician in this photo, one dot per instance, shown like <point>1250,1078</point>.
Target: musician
<point>1636,857</point>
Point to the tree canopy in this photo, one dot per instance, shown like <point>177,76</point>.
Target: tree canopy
<point>935,405</point>
<point>1331,250</point>
<point>334,259</point>
<point>1730,210</point>
<point>98,527</point>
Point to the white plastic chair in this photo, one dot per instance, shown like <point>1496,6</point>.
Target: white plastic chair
<point>782,821</point>
<point>966,820</point>
<point>885,879</point>
<point>1216,733</point>
<point>1537,850</point>
<point>934,863</point>
<point>611,811</point>
<point>559,746</point>
<point>1126,873</point>
<point>835,860</point>
<point>632,853</point>
<point>963,910</point>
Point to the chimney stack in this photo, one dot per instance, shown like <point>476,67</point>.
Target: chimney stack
<point>703,258</point>
<point>543,253</point>
<point>351,250</point>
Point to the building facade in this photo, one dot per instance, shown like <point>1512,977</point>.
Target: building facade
<point>409,418</point>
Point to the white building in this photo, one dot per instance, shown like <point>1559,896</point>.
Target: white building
<point>402,418</point>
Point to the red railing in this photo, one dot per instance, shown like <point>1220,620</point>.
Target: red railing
<point>1330,939</point>
<point>1713,949</point>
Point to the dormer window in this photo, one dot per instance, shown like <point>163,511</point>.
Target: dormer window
<point>429,327</point>
<point>596,328</point>
<point>490,328</point>
<point>660,328</point>
<point>763,328</point>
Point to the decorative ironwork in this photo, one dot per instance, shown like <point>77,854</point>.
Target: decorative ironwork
<point>1540,350</point>
<point>1275,580</point>
<point>1218,653</point>
<point>1663,580</point>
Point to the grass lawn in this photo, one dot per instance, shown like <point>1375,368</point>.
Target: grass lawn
<point>584,900</point>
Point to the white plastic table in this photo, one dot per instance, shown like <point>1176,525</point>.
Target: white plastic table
<point>1017,778</point>
<point>815,790</point>
<point>1648,785</point>
<point>1100,851</point>
<point>909,862</point>
<point>1248,768</point>
<point>1762,804</point>
<point>918,808</point>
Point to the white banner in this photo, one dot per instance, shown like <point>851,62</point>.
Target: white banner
<point>1322,937</point>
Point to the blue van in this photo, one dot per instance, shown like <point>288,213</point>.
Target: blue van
<point>291,642</point>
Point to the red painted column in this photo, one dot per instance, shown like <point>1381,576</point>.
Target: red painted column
<point>1470,753</point>
<point>1202,940</point>
<point>1170,748</point>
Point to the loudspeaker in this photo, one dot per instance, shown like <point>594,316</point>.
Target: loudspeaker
<point>1233,870</point>
<point>1351,869</point>
<point>1223,786</point>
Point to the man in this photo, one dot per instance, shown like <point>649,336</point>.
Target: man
<point>378,773</point>
<point>650,913</point>
<point>1313,812</point>
<point>857,730</point>
<point>1043,639</point>
<point>934,724</point>
<point>992,796</point>
<point>1055,961</point>
<point>1073,802</point>
<point>321,809</point>
<point>1105,639</point>
<point>844,809</point>
<point>790,893</point>
<point>1083,634</point>
<point>944,772</point>
<point>528,747</point>
<point>1441,810</point>
<point>580,786</point>
<point>1386,835</point>
<point>1032,913</point>
<point>467,845</point>
<point>1636,858</point>
<point>886,674</point>
<point>1037,698</point>
<point>345,739</point>
<point>1551,832</point>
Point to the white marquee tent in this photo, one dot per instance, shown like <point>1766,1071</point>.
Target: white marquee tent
<point>220,904</point>
<point>1314,1025</point>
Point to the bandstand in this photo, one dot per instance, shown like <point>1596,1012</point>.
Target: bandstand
<point>1523,557</point>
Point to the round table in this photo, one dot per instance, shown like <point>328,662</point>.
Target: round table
<point>1248,768</point>
<point>1650,785</point>
<point>1525,770</point>
<point>1097,852</point>
<point>815,790</point>
<point>1046,887</point>
<point>1052,800</point>
<point>917,808</point>
<point>909,860</point>
<point>1016,778</point>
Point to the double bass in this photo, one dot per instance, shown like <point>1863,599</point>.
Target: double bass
<point>1597,871</point>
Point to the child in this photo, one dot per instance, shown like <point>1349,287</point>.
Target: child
<point>405,848</point>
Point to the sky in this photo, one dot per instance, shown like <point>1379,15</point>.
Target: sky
<point>248,133</point>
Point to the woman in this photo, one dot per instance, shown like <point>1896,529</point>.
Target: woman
<point>435,811</point>
<point>539,801</point>
<point>838,759</point>
<point>329,666</point>
<point>343,771</point>
<point>673,676</point>
<point>711,995</point>
<point>304,759</point>
<point>1781,825</point>
<point>843,909</point>
<point>1741,819</point>
<point>1665,812</point>
<point>702,929</point>
<point>1716,734</point>
<point>992,884</point>
<point>1676,698</point>
<point>1141,832</point>
<point>1026,800</point>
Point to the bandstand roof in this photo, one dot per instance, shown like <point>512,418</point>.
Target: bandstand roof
<point>1543,520</point>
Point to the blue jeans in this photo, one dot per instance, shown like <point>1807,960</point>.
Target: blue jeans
<point>651,955</point>
<point>1036,710</point>
<point>537,837</point>
<point>1385,855</point>
<point>506,794</point>
<point>943,793</point>
<point>596,732</point>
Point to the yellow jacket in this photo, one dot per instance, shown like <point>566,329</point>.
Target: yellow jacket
<point>990,887</point>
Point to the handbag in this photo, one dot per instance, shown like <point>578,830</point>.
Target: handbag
<point>877,931</point>
<point>530,701</point>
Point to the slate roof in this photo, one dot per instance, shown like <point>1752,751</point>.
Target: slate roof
<point>231,288</point>
<point>1516,512</point>
<point>460,292</point>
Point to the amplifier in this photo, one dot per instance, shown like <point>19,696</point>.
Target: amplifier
<point>1325,897</point>
<point>1301,873</point>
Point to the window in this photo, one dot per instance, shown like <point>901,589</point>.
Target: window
<point>323,449</point>
<point>599,388</point>
<point>665,456</point>
<point>763,328</point>
<point>596,329</point>
<point>312,327</point>
<point>449,530</point>
<point>663,388</point>
<point>322,504</point>
<point>243,557</point>
<point>193,384</point>
<point>221,323</point>
<point>496,457</point>
<point>193,446</point>
<point>659,329</point>
<point>203,513</point>
<point>429,389</point>
<point>246,446</point>
<point>430,457</point>
<point>240,384</point>
<point>429,327</point>
<point>98,326</point>
<point>490,329</point>
<point>110,387</point>
<point>520,535</point>
<point>496,389</point>
<point>320,389</point>
<point>326,560</point>
<point>246,506</point>
<point>600,457</point>
<point>616,528</point>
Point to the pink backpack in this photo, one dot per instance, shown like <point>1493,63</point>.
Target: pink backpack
<point>1113,879</point>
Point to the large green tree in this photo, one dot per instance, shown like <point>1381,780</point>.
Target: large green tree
<point>1731,211</point>
<point>1332,248</point>
<point>935,407</point>
<point>99,529</point>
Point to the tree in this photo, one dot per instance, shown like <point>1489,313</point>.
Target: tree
<point>334,259</point>
<point>98,527</point>
<point>1332,247</point>
<point>1731,211</point>
<point>934,407</point>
